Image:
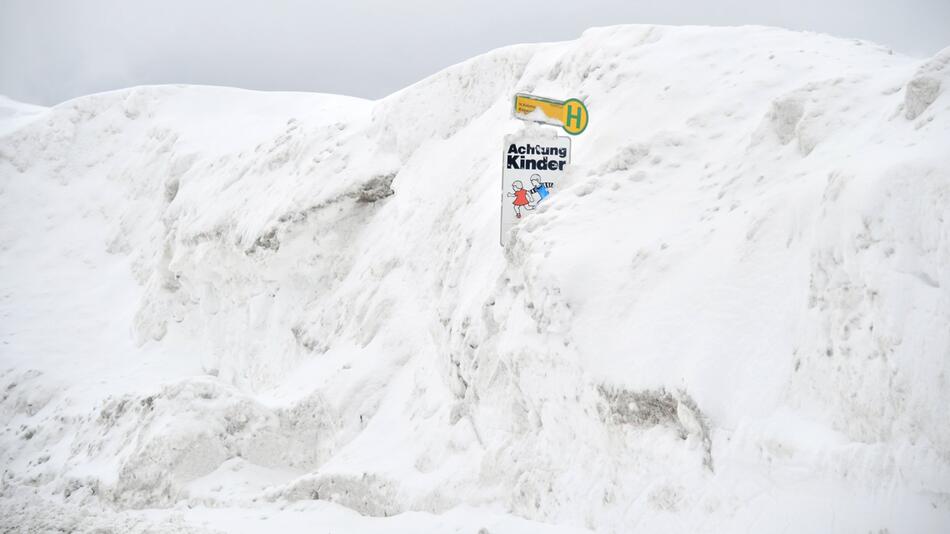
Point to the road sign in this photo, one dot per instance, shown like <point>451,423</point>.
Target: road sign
<point>575,116</point>
<point>571,114</point>
<point>532,172</point>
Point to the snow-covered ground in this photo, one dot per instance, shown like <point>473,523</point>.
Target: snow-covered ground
<point>223,310</point>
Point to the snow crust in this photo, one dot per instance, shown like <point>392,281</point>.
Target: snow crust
<point>223,310</point>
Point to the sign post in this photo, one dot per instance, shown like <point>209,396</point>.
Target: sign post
<point>534,164</point>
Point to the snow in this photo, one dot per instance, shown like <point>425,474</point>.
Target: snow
<point>223,310</point>
<point>14,115</point>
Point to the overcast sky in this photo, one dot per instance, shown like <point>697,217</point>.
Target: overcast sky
<point>51,51</point>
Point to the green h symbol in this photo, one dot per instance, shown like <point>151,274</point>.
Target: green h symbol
<point>572,116</point>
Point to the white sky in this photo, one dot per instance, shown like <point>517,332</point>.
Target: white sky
<point>52,50</point>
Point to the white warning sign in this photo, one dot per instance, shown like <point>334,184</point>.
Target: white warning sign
<point>532,171</point>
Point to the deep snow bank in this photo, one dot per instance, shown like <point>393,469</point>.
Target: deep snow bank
<point>734,316</point>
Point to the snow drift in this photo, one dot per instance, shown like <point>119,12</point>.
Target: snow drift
<point>293,307</point>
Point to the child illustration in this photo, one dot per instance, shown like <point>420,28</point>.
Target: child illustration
<point>521,198</point>
<point>540,188</point>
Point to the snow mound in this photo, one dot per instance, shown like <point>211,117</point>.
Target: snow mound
<point>732,316</point>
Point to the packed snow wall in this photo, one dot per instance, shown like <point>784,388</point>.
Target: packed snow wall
<point>733,315</point>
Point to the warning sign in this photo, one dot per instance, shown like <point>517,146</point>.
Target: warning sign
<point>570,114</point>
<point>532,171</point>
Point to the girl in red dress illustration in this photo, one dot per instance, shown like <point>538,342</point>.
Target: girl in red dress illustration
<point>521,198</point>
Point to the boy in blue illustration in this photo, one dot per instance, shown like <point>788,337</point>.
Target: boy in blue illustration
<point>540,188</point>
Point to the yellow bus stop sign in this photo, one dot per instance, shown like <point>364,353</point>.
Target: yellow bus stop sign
<point>575,116</point>
<point>570,114</point>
